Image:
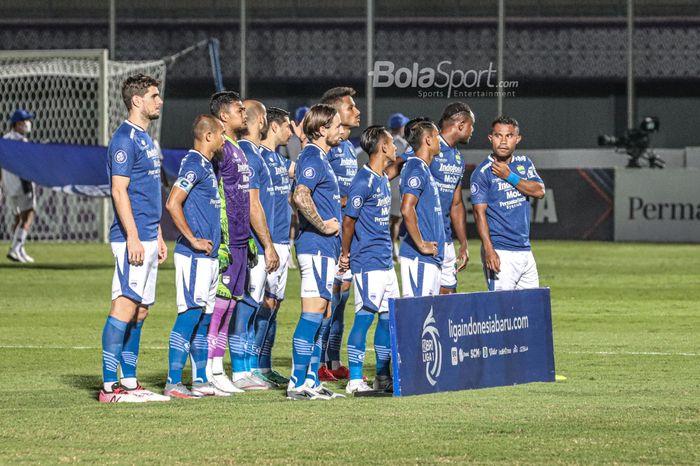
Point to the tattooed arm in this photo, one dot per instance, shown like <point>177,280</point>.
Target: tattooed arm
<point>305,205</point>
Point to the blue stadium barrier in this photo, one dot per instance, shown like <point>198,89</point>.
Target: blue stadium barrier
<point>471,340</point>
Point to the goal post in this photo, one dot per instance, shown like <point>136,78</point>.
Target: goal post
<point>75,96</point>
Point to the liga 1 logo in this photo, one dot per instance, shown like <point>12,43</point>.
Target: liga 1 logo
<point>432,349</point>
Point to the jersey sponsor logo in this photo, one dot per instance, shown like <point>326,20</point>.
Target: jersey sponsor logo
<point>475,188</point>
<point>531,173</point>
<point>413,182</point>
<point>309,172</point>
<point>357,202</point>
<point>120,156</point>
<point>432,349</point>
<point>191,176</point>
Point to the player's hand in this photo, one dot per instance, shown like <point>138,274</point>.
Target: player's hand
<point>462,258</point>
<point>428,248</point>
<point>500,169</point>
<point>162,251</point>
<point>332,226</point>
<point>135,251</point>
<point>493,262</point>
<point>201,244</point>
<point>272,260</point>
<point>299,132</point>
<point>343,263</point>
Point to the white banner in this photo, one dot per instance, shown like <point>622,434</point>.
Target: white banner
<point>657,205</point>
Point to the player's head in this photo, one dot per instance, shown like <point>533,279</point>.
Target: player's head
<point>376,141</point>
<point>396,122</point>
<point>256,117</point>
<point>322,123</point>
<point>208,133</point>
<point>21,121</point>
<point>278,128</point>
<point>505,135</point>
<point>140,94</point>
<point>422,135</point>
<point>459,119</point>
<point>299,114</point>
<point>228,107</point>
<point>342,99</point>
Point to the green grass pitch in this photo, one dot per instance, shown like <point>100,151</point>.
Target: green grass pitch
<point>626,334</point>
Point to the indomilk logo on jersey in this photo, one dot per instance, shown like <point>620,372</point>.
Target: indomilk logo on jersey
<point>432,349</point>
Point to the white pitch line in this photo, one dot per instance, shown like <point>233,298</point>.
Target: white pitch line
<point>602,353</point>
<point>630,353</point>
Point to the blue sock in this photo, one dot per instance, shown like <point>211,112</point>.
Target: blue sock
<point>303,344</point>
<point>265,361</point>
<point>199,349</point>
<point>180,343</point>
<point>252,350</point>
<point>238,335</point>
<point>357,342</point>
<point>112,343</point>
<point>130,351</point>
<point>262,323</point>
<point>315,361</point>
<point>335,338</point>
<point>382,345</point>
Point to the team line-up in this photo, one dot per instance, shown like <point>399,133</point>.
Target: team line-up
<point>232,204</point>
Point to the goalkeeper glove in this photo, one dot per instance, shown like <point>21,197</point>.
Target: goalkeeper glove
<point>224,258</point>
<point>252,253</point>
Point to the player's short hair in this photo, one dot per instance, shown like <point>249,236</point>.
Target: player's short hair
<point>319,116</point>
<point>219,100</point>
<point>505,120</point>
<point>372,137</point>
<point>416,129</point>
<point>335,95</point>
<point>204,124</point>
<point>137,84</point>
<point>455,111</point>
<point>274,115</point>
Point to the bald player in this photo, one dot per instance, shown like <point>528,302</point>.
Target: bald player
<point>194,205</point>
<point>261,194</point>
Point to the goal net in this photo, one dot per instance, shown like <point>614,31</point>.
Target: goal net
<point>75,96</point>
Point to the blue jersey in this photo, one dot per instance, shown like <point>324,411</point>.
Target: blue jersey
<point>416,179</point>
<point>369,201</point>
<point>508,210</point>
<point>279,172</point>
<point>202,207</point>
<point>259,179</point>
<point>314,172</point>
<point>132,154</point>
<point>447,169</point>
<point>343,159</point>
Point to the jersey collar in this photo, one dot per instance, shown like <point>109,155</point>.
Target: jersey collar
<point>250,142</point>
<point>372,171</point>
<point>321,152</point>
<point>134,125</point>
<point>200,154</point>
<point>493,159</point>
<point>442,140</point>
<point>231,140</point>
